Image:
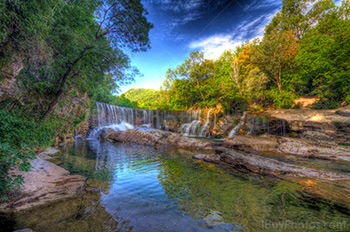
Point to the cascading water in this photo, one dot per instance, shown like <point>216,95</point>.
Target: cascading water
<point>235,130</point>
<point>188,123</point>
<point>195,128</point>
<point>205,127</point>
<point>122,118</point>
<point>114,117</point>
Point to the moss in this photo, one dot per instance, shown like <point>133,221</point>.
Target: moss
<point>293,135</point>
<point>338,125</point>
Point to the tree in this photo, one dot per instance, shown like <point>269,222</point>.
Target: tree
<point>123,23</point>
<point>324,55</point>
<point>145,98</point>
<point>275,55</point>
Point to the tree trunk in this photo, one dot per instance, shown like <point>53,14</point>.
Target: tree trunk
<point>279,80</point>
<point>63,82</point>
<point>236,74</point>
<point>200,89</point>
<point>279,86</point>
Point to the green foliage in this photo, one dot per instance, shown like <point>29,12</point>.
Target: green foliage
<point>325,104</point>
<point>71,45</point>
<point>145,98</point>
<point>347,99</point>
<point>282,100</point>
<point>324,56</point>
<point>123,101</point>
<point>17,135</point>
<point>305,51</point>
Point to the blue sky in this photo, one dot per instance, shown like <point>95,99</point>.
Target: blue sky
<point>183,26</point>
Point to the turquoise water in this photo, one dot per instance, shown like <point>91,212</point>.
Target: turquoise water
<point>145,189</point>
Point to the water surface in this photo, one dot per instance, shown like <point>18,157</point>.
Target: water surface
<point>145,189</point>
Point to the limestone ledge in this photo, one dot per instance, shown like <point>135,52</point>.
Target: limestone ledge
<point>45,183</point>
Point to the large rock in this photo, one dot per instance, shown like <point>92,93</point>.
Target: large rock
<point>45,183</point>
<point>294,146</point>
<point>151,137</point>
<point>333,126</point>
<point>345,111</point>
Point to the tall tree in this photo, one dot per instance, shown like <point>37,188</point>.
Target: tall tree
<point>324,55</point>
<point>122,23</point>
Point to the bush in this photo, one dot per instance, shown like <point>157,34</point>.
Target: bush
<point>325,104</point>
<point>283,100</point>
<point>18,136</point>
<point>347,99</point>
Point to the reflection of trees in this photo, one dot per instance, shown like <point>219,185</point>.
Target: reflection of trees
<point>201,188</point>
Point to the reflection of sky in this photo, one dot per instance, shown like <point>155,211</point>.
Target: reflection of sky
<point>136,195</point>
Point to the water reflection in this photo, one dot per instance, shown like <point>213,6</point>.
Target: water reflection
<point>145,189</point>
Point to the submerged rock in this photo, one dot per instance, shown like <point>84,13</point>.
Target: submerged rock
<point>214,219</point>
<point>152,137</point>
<point>24,230</point>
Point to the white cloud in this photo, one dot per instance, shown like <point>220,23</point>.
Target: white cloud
<point>338,2</point>
<point>260,5</point>
<point>214,46</point>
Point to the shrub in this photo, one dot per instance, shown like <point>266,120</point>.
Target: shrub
<point>325,104</point>
<point>347,99</point>
<point>283,100</point>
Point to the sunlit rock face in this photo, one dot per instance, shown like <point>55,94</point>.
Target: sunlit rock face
<point>320,125</point>
<point>45,183</point>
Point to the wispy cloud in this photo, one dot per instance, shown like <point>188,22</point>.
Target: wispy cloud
<point>256,5</point>
<point>181,12</point>
<point>213,46</point>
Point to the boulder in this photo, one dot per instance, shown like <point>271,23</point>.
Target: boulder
<point>332,124</point>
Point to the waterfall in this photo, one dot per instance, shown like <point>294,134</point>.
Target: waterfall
<point>241,122</point>
<point>113,117</point>
<point>205,127</point>
<point>121,118</point>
